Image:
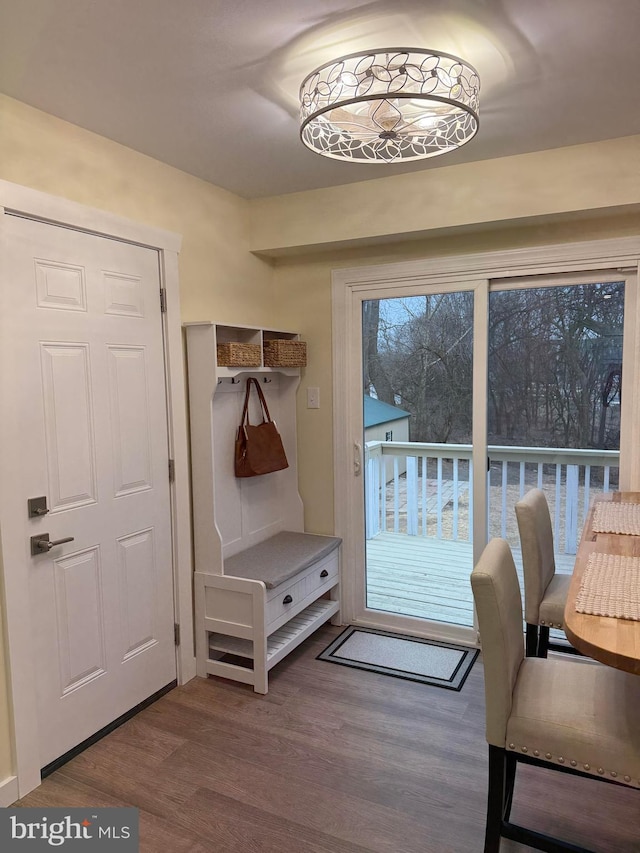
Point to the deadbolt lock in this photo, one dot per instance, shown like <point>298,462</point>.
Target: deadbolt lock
<point>37,507</point>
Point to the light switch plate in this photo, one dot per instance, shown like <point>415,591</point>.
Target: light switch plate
<point>313,398</point>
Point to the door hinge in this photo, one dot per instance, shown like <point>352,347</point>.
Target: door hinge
<point>163,300</point>
<point>172,471</point>
<point>176,633</point>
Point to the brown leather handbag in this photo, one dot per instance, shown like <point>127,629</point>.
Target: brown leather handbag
<point>258,449</point>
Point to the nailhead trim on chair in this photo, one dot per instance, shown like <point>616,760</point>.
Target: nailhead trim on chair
<point>587,767</point>
<point>552,625</point>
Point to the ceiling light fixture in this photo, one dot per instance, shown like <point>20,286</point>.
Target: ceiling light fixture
<point>391,105</point>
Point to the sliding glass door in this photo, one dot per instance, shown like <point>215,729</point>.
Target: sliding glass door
<point>417,359</point>
<point>554,402</point>
<point>469,395</point>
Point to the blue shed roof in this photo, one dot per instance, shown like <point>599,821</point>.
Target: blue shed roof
<point>378,412</point>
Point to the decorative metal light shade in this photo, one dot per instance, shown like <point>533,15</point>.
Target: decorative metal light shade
<point>389,105</point>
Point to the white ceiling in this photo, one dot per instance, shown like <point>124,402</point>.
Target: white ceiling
<point>210,86</point>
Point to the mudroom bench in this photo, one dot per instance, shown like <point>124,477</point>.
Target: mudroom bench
<point>269,599</point>
<point>262,584</point>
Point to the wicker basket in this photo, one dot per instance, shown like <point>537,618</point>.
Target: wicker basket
<point>285,353</point>
<point>238,355</point>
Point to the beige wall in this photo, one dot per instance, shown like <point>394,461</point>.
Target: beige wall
<point>566,181</point>
<point>532,200</point>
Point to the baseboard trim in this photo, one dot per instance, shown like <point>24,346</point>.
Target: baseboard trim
<point>8,791</point>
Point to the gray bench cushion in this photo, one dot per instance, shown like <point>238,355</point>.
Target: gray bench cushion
<point>279,558</point>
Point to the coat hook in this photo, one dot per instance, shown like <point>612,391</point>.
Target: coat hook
<point>266,379</point>
<point>235,380</point>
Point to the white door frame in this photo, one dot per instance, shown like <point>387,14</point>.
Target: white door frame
<point>17,616</point>
<point>398,278</point>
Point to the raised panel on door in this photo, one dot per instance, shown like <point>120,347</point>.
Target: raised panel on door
<point>80,619</point>
<point>131,427</point>
<point>123,294</point>
<point>68,423</point>
<point>138,604</point>
<point>60,286</point>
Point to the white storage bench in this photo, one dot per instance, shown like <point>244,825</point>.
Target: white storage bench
<point>261,584</point>
<point>269,599</point>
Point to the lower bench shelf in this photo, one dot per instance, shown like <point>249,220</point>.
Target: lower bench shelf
<point>282,641</point>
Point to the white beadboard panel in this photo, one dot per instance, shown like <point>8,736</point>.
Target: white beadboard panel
<point>136,561</point>
<point>60,286</point>
<point>226,413</point>
<point>80,618</point>
<point>69,426</point>
<point>124,294</point>
<point>249,509</point>
<point>128,388</point>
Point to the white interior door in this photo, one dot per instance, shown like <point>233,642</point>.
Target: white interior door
<point>86,411</point>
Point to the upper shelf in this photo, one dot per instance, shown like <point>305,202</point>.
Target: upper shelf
<point>251,358</point>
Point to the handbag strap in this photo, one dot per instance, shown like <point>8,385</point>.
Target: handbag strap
<point>252,381</point>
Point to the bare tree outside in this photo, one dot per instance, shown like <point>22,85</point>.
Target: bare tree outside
<point>424,362</point>
<point>555,364</point>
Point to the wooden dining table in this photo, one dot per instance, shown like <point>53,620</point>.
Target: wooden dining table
<point>612,641</point>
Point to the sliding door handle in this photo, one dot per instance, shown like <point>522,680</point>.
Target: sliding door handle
<point>357,458</point>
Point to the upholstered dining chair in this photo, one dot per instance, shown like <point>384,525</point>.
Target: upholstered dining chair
<point>563,713</point>
<point>545,591</point>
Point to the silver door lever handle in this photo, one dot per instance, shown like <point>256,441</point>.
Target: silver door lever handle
<point>41,544</point>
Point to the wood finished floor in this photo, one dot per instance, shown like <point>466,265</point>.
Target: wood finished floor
<point>332,760</point>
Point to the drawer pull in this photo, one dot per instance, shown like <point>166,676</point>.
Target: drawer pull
<point>324,573</point>
<point>287,599</point>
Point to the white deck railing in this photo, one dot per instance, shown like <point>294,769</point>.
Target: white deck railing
<point>427,489</point>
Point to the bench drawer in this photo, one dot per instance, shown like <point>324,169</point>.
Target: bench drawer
<point>287,597</point>
<point>322,573</point>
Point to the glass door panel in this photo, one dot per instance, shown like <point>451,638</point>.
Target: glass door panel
<point>417,414</point>
<point>554,404</point>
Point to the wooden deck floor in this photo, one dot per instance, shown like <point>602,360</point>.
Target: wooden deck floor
<point>426,577</point>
